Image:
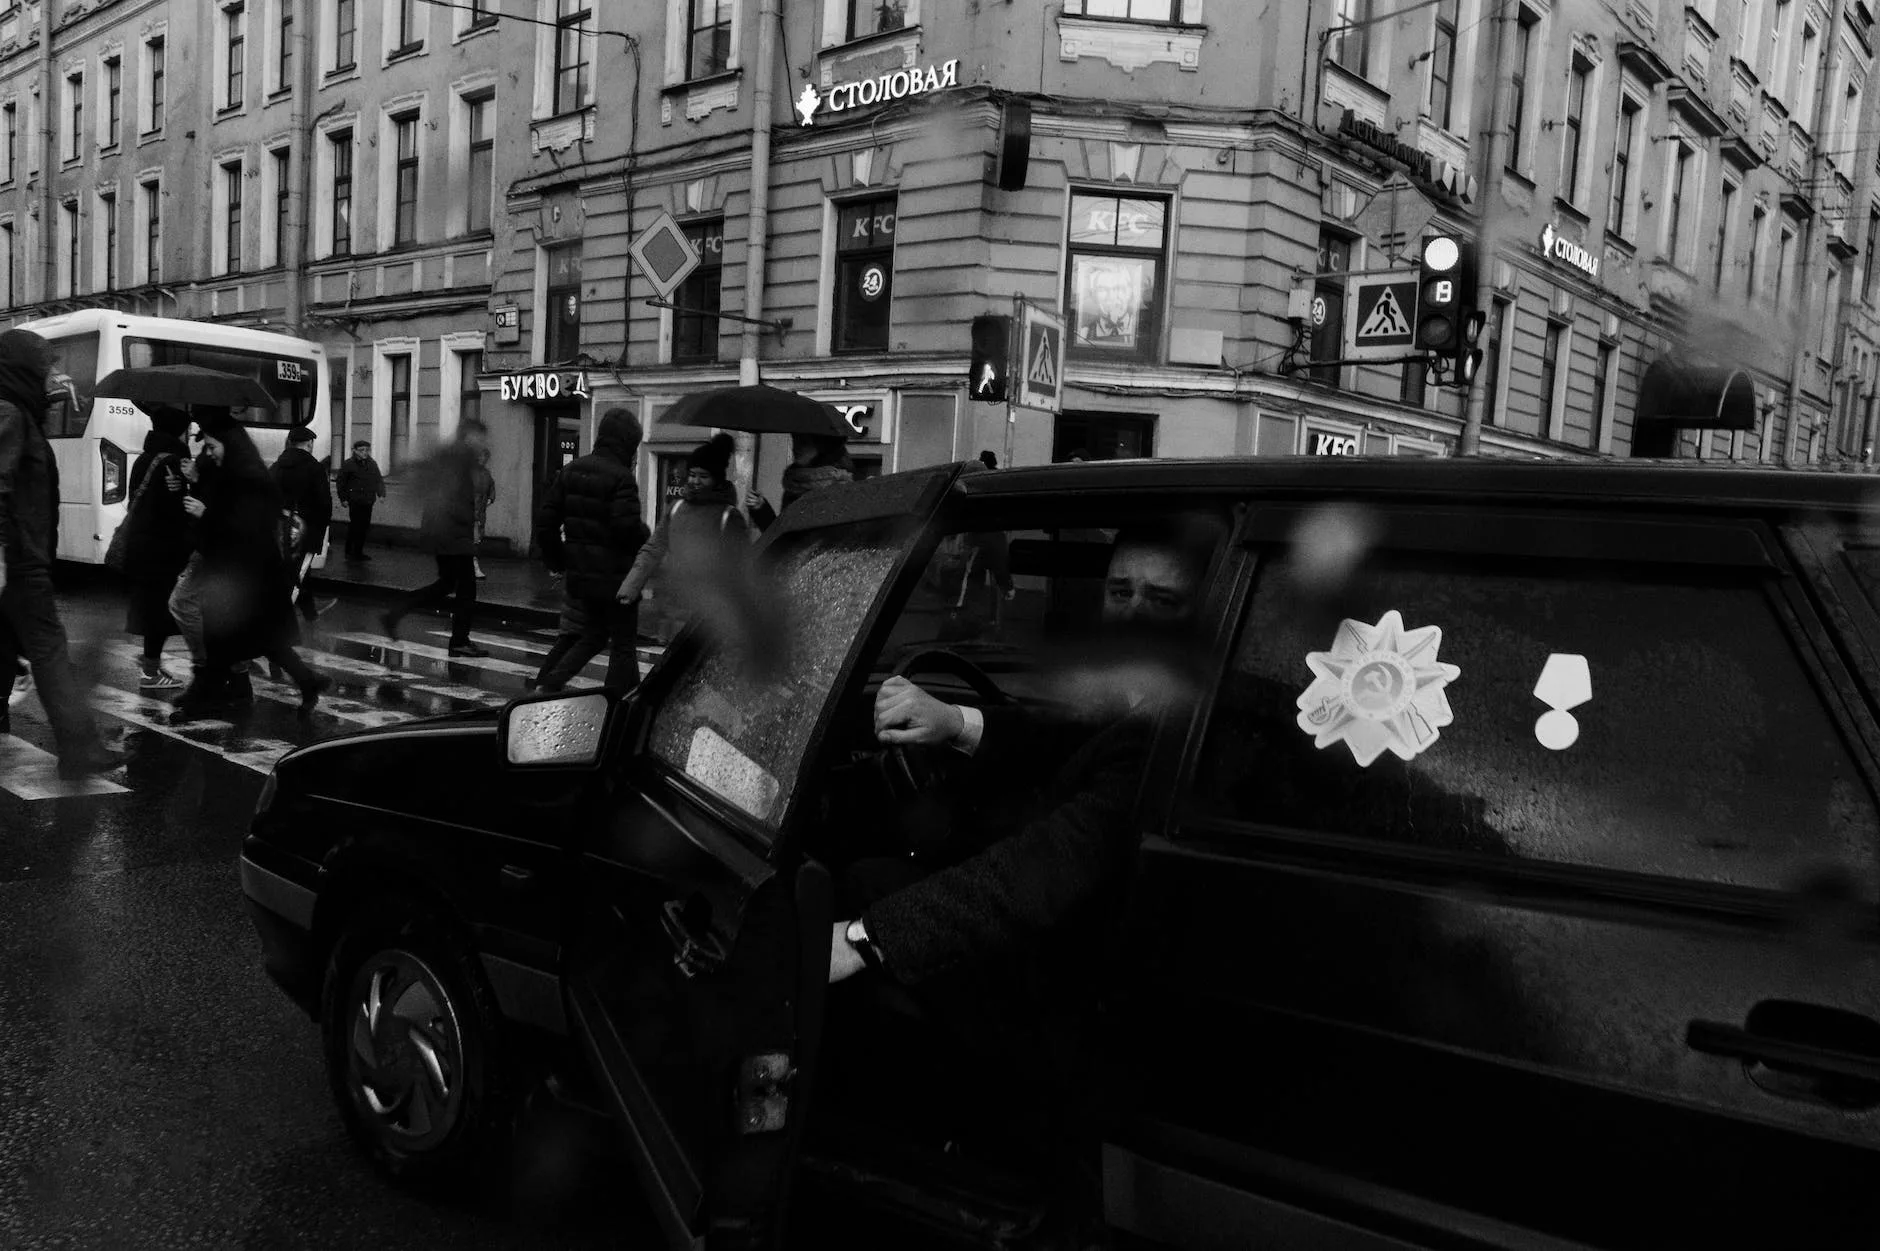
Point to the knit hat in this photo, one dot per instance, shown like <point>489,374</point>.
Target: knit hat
<point>713,456</point>
<point>215,421</point>
<point>300,434</point>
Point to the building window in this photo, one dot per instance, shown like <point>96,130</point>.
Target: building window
<point>113,102</point>
<point>6,242</point>
<point>1117,248</point>
<point>695,334</point>
<point>283,187</point>
<point>1328,335</point>
<point>1674,209</point>
<point>284,56</point>
<point>1619,212</point>
<point>10,115</point>
<point>232,198</point>
<point>1785,246</point>
<point>342,192</point>
<point>236,19</point>
<point>1575,138</point>
<point>154,57</point>
<point>574,51</point>
<point>405,209</point>
<point>1173,11</point>
<point>869,17</point>
<point>345,35</point>
<point>864,274</point>
<point>562,340</point>
<point>153,232</point>
<point>1868,260</point>
<point>483,13</point>
<point>407,28</point>
<point>108,225</point>
<point>1517,90</point>
<point>1351,35</point>
<point>399,390</point>
<point>336,369</point>
<point>68,220</point>
<point>75,109</point>
<point>1725,211</point>
<point>1602,388</point>
<point>1831,313</point>
<point>1443,63</point>
<point>482,164</point>
<point>1756,232</point>
<point>708,37</point>
<point>1498,346</point>
<point>469,394</point>
<point>1550,374</point>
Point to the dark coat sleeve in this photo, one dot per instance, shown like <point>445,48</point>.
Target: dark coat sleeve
<point>548,519</point>
<point>1017,890</point>
<point>12,449</point>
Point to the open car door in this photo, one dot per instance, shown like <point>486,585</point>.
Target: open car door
<point>697,984</point>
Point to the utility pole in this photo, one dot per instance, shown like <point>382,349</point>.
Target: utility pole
<point>48,161</point>
<point>1477,399</point>
<point>758,249</point>
<point>1803,279</point>
<point>299,163</point>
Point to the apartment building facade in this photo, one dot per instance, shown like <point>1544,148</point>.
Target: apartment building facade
<point>1184,182</point>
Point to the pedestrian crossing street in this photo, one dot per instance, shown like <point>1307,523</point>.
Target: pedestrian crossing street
<point>376,683</point>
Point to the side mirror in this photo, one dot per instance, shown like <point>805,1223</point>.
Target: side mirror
<point>559,731</point>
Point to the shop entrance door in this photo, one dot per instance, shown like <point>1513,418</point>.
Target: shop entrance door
<point>557,441</point>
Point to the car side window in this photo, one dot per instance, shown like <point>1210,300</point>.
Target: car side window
<point>740,728</point>
<point>1692,743</point>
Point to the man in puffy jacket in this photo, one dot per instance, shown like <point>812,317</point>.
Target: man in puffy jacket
<point>590,527</point>
<point>447,529</point>
<point>29,539</point>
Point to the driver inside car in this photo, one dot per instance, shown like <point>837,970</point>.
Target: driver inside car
<point>1073,843</point>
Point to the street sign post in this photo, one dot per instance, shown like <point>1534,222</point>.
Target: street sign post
<point>664,255</point>
<point>1380,317</point>
<point>1041,361</point>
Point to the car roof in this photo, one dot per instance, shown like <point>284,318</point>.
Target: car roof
<point>1625,482</point>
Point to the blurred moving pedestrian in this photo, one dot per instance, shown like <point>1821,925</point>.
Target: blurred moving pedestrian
<point>361,486</point>
<point>185,602</point>
<point>989,458</point>
<point>819,461</point>
<point>486,495</point>
<point>447,484</point>
<point>29,540</point>
<point>590,525</point>
<point>301,477</point>
<point>246,580</point>
<point>157,541</point>
<point>698,541</point>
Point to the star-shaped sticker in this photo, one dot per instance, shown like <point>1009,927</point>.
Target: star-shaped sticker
<point>1380,687</point>
<point>808,102</point>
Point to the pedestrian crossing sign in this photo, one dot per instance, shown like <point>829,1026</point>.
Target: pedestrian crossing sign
<point>1380,317</point>
<point>1041,371</point>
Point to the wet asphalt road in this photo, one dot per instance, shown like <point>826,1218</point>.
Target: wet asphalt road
<point>156,1090</point>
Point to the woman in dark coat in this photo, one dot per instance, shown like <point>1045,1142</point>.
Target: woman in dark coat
<point>157,544</point>
<point>821,461</point>
<point>247,585</point>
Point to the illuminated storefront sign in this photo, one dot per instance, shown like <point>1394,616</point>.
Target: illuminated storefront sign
<point>545,384</point>
<point>881,89</point>
<point>1560,248</point>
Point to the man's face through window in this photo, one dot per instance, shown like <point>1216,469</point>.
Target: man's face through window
<point>1149,585</point>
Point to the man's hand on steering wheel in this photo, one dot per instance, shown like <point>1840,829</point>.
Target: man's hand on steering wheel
<point>905,716</point>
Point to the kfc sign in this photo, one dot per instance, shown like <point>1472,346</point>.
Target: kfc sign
<point>860,418</point>
<point>1324,444</point>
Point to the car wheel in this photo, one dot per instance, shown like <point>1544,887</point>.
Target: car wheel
<point>414,1049</point>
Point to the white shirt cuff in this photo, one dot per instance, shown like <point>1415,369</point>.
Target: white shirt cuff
<point>973,729</point>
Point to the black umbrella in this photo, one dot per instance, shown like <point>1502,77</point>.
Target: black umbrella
<point>759,409</point>
<point>183,384</point>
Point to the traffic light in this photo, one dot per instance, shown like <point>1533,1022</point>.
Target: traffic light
<point>1447,321</point>
<point>1469,357</point>
<point>992,353</point>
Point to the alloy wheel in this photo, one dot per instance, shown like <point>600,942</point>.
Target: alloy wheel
<point>404,1051</point>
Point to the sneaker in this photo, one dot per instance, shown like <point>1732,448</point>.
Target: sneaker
<point>159,681</point>
<point>310,692</point>
<point>469,651</point>
<point>22,687</point>
<point>95,759</point>
<point>480,573</point>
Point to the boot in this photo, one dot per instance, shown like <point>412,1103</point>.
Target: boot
<point>310,692</point>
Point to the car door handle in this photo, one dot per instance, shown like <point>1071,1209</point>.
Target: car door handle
<point>1719,1039</point>
<point>693,952</point>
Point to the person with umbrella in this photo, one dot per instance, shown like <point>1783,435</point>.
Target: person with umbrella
<point>29,539</point>
<point>818,462</point>
<point>157,540</point>
<point>818,435</point>
<point>246,583</point>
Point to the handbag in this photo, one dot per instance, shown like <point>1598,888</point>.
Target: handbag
<point>117,554</point>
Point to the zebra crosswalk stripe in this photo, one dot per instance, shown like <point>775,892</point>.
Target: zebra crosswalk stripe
<point>29,773</point>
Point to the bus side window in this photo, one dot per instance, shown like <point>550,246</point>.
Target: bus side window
<point>77,359</point>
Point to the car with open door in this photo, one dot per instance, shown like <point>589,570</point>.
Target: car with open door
<point>1509,878</point>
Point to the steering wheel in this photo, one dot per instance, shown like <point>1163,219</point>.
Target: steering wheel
<point>911,770</point>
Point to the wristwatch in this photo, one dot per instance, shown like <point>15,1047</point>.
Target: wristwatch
<point>857,934</point>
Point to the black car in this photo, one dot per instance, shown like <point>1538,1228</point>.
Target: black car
<point>1512,881</point>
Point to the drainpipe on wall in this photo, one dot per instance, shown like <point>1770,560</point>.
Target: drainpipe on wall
<point>299,164</point>
<point>763,87</point>
<point>1810,332</point>
<point>1469,443</point>
<point>48,159</point>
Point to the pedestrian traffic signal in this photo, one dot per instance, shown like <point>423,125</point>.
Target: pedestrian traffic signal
<point>1447,322</point>
<point>1469,358</point>
<point>992,338</point>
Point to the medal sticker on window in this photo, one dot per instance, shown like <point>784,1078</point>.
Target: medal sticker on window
<point>1379,688</point>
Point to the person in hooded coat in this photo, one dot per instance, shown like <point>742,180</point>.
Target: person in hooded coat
<point>702,541</point>
<point>246,582</point>
<point>820,461</point>
<point>157,542</point>
<point>447,529</point>
<point>29,540</point>
<point>591,526</point>
<point>304,485</point>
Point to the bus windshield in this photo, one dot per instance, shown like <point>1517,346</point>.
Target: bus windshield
<point>75,356</point>
<point>288,379</point>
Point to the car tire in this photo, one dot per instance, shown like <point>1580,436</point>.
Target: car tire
<point>414,1047</point>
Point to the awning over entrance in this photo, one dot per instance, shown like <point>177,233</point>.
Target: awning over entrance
<point>1697,397</point>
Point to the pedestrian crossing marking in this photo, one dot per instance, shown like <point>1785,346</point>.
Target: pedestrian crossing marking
<point>428,652</point>
<point>32,774</point>
<point>1386,319</point>
<point>1043,369</point>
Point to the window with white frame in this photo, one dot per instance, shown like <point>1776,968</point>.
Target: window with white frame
<point>336,206</point>
<point>150,231</point>
<point>234,50</point>
<point>1556,358</point>
<point>74,116</point>
<point>1349,44</point>
<point>1175,11</point>
<point>105,244</point>
<point>707,38</point>
<point>1602,395</point>
<point>404,27</point>
<point>1115,274</point>
<point>1748,31</point>
<point>281,32</point>
<point>226,229</point>
<point>1443,62</point>
<point>478,15</point>
<point>1576,131</point>
<point>1807,74</point>
<point>1777,70</point>
<point>9,251</point>
<point>1758,233</point>
<point>343,22</point>
<point>1523,75</point>
<point>1726,213</point>
<point>1785,255</point>
<point>479,160</point>
<point>156,88</point>
<point>112,132</point>
<point>9,140</point>
<point>864,274</point>
<point>871,17</point>
<point>1867,257</point>
<point>278,191</point>
<point>695,333</point>
<point>68,248</point>
<point>397,382</point>
<point>571,64</point>
<point>404,127</point>
<point>33,105</point>
<point>1627,153</point>
<point>1500,335</point>
<point>1683,182</point>
<point>1830,313</point>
